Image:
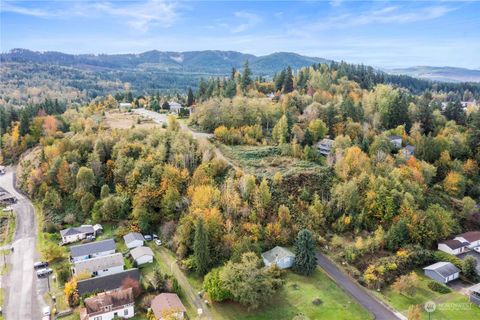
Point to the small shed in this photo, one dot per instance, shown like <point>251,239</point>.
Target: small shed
<point>142,255</point>
<point>133,240</point>
<point>280,256</point>
<point>442,272</point>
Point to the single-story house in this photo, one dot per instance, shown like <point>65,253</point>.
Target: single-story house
<point>168,305</point>
<point>109,305</point>
<point>133,240</point>
<point>92,250</point>
<point>453,246</point>
<point>125,105</point>
<point>280,256</point>
<point>107,282</point>
<point>99,266</point>
<point>174,106</point>
<point>142,255</point>
<point>474,294</point>
<point>75,234</point>
<point>396,141</point>
<point>461,243</point>
<point>442,272</point>
<point>324,147</point>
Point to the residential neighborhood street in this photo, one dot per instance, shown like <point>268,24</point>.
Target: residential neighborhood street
<point>377,309</point>
<point>22,300</point>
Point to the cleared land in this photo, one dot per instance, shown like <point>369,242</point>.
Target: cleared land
<point>126,120</point>
<point>265,160</point>
<point>450,306</point>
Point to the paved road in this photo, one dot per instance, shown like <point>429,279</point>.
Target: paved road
<point>22,301</point>
<point>379,311</point>
<point>189,291</point>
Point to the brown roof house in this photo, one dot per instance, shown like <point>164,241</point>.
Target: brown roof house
<point>108,305</point>
<point>168,305</point>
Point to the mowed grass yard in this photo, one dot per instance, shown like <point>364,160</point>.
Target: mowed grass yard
<point>450,306</point>
<point>265,160</point>
<point>294,301</point>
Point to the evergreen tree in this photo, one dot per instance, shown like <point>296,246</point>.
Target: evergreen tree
<point>24,123</point>
<point>165,105</point>
<point>200,248</point>
<point>129,97</point>
<point>230,89</point>
<point>279,79</point>
<point>454,111</point>
<point>246,76</point>
<point>288,83</point>
<point>305,260</point>
<point>189,98</point>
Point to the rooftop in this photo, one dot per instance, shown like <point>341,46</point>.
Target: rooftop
<point>277,253</point>
<point>76,230</point>
<point>444,269</point>
<point>140,252</point>
<point>99,263</point>
<point>132,236</point>
<point>107,282</point>
<point>92,247</point>
<point>115,299</point>
<point>470,236</point>
<point>165,303</point>
<point>454,244</point>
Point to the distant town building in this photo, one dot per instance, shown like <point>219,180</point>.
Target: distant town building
<point>109,305</point>
<point>280,256</point>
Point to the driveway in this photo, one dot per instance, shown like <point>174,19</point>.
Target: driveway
<point>22,301</point>
<point>375,307</point>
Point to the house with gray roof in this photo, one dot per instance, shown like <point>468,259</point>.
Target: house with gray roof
<point>133,240</point>
<point>92,250</point>
<point>75,234</point>
<point>396,141</point>
<point>107,282</point>
<point>99,266</point>
<point>280,256</point>
<point>442,272</point>
<point>142,255</point>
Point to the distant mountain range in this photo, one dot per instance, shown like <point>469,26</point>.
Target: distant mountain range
<point>208,62</point>
<point>445,74</point>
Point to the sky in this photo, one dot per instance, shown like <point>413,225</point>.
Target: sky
<point>379,33</point>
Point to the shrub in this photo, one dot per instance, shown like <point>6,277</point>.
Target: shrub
<point>443,256</point>
<point>317,302</point>
<point>438,287</point>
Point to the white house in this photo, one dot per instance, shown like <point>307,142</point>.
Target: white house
<point>109,305</point>
<point>442,272</point>
<point>280,256</point>
<point>472,237</point>
<point>174,106</point>
<point>75,234</point>
<point>133,240</point>
<point>99,266</point>
<point>142,255</point>
<point>461,243</point>
<point>92,250</point>
<point>168,306</point>
<point>396,141</point>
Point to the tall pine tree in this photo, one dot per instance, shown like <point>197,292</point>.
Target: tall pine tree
<point>189,97</point>
<point>288,83</point>
<point>200,248</point>
<point>305,260</point>
<point>246,76</point>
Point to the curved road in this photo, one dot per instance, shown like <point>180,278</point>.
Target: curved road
<point>376,308</point>
<point>21,298</point>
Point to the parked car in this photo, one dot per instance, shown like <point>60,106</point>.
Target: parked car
<point>44,272</point>
<point>46,311</point>
<point>158,242</point>
<point>40,265</point>
<point>148,237</point>
<point>155,236</point>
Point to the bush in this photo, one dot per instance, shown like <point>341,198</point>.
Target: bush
<point>443,256</point>
<point>438,287</point>
<point>317,302</point>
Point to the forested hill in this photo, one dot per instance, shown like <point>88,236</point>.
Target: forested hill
<point>209,62</point>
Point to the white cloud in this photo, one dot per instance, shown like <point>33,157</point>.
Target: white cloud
<point>11,7</point>
<point>248,21</point>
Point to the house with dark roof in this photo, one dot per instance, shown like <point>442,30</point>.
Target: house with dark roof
<point>168,306</point>
<point>280,256</point>
<point>109,305</point>
<point>107,282</point>
<point>92,250</point>
<point>133,240</point>
<point>324,147</point>
<point>75,234</point>
<point>442,272</point>
<point>99,266</point>
<point>462,243</point>
<point>472,237</point>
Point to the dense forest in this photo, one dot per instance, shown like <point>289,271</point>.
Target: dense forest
<point>380,209</point>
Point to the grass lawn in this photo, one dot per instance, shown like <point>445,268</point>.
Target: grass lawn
<point>450,306</point>
<point>7,227</point>
<point>265,160</point>
<point>295,299</point>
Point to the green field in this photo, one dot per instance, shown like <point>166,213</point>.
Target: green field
<point>7,226</point>
<point>450,306</point>
<point>265,160</point>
